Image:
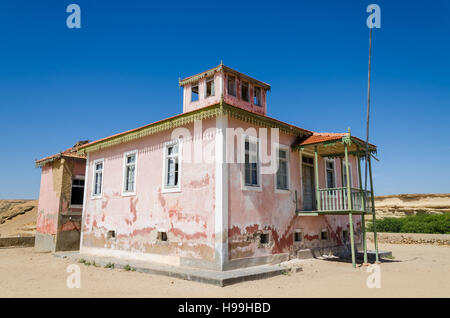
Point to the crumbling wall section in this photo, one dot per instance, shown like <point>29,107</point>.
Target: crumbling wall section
<point>267,211</point>
<point>128,226</point>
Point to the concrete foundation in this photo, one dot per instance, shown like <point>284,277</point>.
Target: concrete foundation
<point>45,242</point>
<point>219,278</point>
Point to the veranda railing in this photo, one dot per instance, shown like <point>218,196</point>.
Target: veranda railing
<point>336,199</point>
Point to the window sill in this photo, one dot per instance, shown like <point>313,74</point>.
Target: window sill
<point>171,190</point>
<point>282,191</point>
<point>75,206</point>
<point>252,188</point>
<point>96,197</point>
<point>128,194</point>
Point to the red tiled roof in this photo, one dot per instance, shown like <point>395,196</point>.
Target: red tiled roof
<point>321,137</point>
<point>316,138</point>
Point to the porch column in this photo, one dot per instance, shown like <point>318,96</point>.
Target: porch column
<point>373,212</point>
<point>363,202</point>
<point>316,173</point>
<point>349,204</point>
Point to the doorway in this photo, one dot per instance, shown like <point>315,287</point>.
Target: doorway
<point>308,186</point>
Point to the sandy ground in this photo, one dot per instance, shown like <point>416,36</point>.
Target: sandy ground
<point>417,271</point>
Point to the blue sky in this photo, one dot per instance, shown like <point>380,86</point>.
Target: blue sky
<point>121,70</point>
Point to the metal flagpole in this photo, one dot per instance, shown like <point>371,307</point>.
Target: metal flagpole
<point>367,143</point>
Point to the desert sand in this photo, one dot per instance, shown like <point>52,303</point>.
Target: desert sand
<point>416,271</point>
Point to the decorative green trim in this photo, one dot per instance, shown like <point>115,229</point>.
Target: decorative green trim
<point>219,68</point>
<point>330,143</point>
<point>221,108</point>
<point>316,178</point>
<point>347,140</point>
<point>261,120</point>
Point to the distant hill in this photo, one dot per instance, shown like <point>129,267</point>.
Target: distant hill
<point>18,217</point>
<point>409,204</point>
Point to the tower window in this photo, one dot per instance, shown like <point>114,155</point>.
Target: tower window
<point>194,93</point>
<point>209,87</point>
<point>231,86</point>
<point>257,96</point>
<point>245,92</point>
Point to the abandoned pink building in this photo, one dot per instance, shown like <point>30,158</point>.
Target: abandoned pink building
<point>193,190</point>
<point>60,206</point>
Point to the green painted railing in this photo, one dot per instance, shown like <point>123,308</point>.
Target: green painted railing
<point>336,199</point>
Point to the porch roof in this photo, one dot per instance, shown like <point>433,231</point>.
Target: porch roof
<point>68,153</point>
<point>332,144</point>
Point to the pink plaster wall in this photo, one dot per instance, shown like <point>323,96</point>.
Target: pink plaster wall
<point>48,206</point>
<point>51,200</point>
<point>220,82</point>
<point>79,168</point>
<point>251,212</point>
<point>238,102</point>
<point>202,101</point>
<point>187,216</point>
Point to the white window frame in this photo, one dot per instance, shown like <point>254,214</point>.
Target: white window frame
<point>279,147</point>
<point>198,94</point>
<point>248,92</point>
<point>71,187</point>
<point>213,87</point>
<point>254,95</point>
<point>97,195</point>
<point>244,186</point>
<point>125,155</point>
<point>235,82</point>
<point>334,171</point>
<point>351,174</point>
<point>165,188</point>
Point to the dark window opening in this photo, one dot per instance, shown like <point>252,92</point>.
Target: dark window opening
<point>330,174</point>
<point>77,192</point>
<point>264,238</point>
<point>345,235</point>
<point>231,86</point>
<point>251,163</point>
<point>308,160</point>
<point>245,92</point>
<point>162,236</point>
<point>324,235</point>
<point>297,236</point>
<point>194,93</point>
<point>257,96</point>
<point>111,234</point>
<point>209,87</point>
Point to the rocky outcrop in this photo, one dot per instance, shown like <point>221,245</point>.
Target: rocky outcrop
<point>12,208</point>
<point>408,204</point>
